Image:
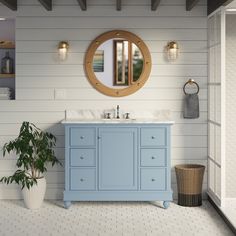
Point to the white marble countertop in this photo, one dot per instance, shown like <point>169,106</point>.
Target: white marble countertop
<point>117,121</point>
<point>97,117</point>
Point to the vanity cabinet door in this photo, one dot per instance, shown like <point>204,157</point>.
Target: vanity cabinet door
<point>117,158</point>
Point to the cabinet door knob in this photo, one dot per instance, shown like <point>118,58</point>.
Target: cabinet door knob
<point>153,157</point>
<point>81,180</point>
<point>153,137</point>
<point>99,137</point>
<point>153,180</point>
<point>81,137</point>
<point>81,157</point>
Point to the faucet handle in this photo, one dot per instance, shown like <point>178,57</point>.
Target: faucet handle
<point>108,115</point>
<point>127,115</point>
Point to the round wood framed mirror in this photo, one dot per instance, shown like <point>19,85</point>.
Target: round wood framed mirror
<point>118,63</point>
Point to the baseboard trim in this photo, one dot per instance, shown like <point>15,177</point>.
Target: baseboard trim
<point>229,224</point>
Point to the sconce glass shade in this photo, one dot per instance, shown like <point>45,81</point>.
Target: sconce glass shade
<point>172,51</point>
<point>63,50</point>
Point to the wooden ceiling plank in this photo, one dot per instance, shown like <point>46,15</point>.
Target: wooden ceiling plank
<point>82,4</point>
<point>190,4</point>
<point>47,4</point>
<point>155,4</point>
<point>12,4</point>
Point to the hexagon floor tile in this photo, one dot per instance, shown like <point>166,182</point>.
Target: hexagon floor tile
<point>110,219</point>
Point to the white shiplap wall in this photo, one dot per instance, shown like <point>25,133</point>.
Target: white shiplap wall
<point>40,75</point>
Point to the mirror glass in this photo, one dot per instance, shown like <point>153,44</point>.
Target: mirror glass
<point>118,63</point>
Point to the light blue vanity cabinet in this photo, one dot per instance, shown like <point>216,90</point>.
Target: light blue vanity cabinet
<point>117,162</point>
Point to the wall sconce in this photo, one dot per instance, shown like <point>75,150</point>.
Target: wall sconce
<point>172,50</point>
<point>63,47</point>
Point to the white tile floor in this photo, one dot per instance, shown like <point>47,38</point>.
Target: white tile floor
<point>229,210</point>
<point>107,218</point>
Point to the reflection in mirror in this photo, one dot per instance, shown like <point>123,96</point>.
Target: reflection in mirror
<point>137,63</point>
<point>98,61</point>
<point>121,62</point>
<point>118,63</point>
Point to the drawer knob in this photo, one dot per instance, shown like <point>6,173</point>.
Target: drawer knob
<point>153,180</point>
<point>153,137</point>
<point>82,180</point>
<point>153,157</point>
<point>81,137</point>
<point>81,157</point>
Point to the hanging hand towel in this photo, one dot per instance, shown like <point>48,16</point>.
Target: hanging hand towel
<point>191,106</point>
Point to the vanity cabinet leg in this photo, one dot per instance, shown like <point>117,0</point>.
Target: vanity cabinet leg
<point>67,204</point>
<point>166,204</point>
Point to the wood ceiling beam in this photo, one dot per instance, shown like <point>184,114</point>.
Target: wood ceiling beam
<point>82,4</point>
<point>212,5</point>
<point>118,5</point>
<point>190,4</point>
<point>155,4</point>
<point>47,4</point>
<point>12,4</point>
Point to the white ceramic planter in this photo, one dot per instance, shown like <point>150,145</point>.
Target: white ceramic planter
<point>34,196</point>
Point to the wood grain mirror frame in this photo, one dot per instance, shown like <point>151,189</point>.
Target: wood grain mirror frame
<point>147,63</point>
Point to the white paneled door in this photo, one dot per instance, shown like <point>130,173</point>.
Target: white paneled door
<point>216,96</point>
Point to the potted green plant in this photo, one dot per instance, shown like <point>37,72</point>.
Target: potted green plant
<point>34,149</point>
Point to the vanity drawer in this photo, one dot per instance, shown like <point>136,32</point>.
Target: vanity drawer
<point>82,179</point>
<point>82,157</point>
<point>153,157</point>
<point>82,136</point>
<point>153,179</point>
<point>153,136</point>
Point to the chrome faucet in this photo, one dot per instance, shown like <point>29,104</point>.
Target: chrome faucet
<point>117,112</point>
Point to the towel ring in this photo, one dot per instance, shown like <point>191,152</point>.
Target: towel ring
<point>191,82</point>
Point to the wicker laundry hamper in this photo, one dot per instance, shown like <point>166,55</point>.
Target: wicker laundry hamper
<point>189,182</point>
